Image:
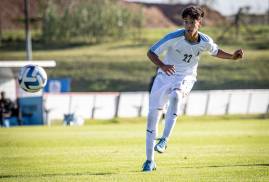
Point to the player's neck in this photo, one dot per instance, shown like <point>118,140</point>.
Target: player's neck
<point>192,37</point>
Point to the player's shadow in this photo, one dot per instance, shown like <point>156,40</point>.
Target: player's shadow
<point>137,45</point>
<point>236,165</point>
<point>57,174</point>
<point>239,165</point>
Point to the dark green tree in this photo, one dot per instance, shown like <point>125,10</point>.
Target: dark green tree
<point>91,21</point>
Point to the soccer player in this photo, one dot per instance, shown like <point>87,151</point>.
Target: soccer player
<point>176,76</point>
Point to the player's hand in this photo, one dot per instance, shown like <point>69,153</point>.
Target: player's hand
<point>169,69</point>
<point>238,54</point>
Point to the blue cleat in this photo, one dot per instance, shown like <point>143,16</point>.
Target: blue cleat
<point>149,166</point>
<point>161,145</point>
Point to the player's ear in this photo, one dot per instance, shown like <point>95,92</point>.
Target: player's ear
<point>200,22</point>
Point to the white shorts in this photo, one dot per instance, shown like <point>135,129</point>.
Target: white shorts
<point>163,85</point>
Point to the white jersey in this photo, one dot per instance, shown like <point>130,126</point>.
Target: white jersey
<point>182,53</point>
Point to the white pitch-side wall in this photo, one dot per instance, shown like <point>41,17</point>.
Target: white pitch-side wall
<point>238,103</point>
<point>133,104</point>
<point>105,106</point>
<point>259,102</point>
<point>130,104</point>
<point>196,103</point>
<point>218,101</point>
<point>57,105</point>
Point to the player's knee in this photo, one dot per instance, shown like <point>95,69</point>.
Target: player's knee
<point>153,112</point>
<point>175,102</point>
<point>153,118</point>
<point>176,95</point>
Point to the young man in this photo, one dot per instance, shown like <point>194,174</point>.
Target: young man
<point>176,76</point>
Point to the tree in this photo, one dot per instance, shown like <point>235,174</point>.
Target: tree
<point>91,21</point>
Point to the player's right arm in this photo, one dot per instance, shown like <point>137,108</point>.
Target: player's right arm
<point>168,69</point>
<point>164,44</point>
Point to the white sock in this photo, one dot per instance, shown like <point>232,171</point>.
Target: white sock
<point>152,130</point>
<point>173,111</point>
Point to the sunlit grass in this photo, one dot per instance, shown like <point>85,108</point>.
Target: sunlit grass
<point>200,149</point>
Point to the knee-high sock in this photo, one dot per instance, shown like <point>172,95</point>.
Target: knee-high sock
<point>152,130</point>
<point>173,111</point>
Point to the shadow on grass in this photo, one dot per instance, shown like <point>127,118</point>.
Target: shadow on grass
<point>134,45</point>
<point>37,45</point>
<point>236,165</point>
<point>53,175</point>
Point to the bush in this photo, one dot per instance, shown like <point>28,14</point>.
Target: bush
<point>90,21</point>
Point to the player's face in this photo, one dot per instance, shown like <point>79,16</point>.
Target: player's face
<point>191,25</point>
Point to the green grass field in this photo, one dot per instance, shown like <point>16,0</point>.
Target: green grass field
<point>201,149</point>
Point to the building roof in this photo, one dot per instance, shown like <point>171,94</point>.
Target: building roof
<point>18,64</point>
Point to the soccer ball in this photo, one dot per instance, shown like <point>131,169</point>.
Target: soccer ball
<point>32,78</point>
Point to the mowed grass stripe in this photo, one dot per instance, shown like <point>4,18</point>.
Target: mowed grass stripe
<point>221,150</point>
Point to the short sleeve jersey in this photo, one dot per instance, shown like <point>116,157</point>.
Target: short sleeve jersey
<point>182,53</point>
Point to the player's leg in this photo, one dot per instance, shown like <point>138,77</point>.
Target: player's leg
<point>157,100</point>
<point>154,116</point>
<point>174,108</point>
<point>151,134</point>
<point>173,111</point>
<point>175,102</point>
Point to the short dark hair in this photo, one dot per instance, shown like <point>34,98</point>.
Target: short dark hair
<point>195,12</point>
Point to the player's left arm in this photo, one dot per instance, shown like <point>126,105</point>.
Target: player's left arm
<point>238,54</point>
